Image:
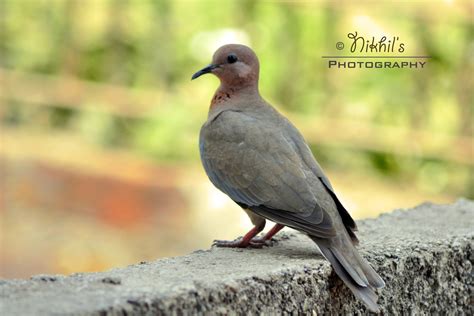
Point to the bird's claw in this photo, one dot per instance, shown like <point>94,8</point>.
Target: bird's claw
<point>256,242</point>
<point>260,242</point>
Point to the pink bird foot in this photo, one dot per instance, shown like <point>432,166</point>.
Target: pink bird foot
<point>250,240</point>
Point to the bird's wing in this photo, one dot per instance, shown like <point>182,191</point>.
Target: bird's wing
<point>259,167</point>
<point>311,163</point>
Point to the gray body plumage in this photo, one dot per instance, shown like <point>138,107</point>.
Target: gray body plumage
<point>260,160</point>
<point>257,157</point>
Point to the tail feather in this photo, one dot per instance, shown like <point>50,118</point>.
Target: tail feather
<point>354,270</point>
<point>374,279</point>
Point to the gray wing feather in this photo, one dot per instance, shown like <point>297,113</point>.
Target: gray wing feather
<point>308,159</point>
<point>256,165</point>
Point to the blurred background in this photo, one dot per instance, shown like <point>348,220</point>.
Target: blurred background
<point>99,119</point>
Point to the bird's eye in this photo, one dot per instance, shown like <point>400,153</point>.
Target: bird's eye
<point>231,59</point>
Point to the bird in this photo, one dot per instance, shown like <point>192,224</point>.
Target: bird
<point>260,160</point>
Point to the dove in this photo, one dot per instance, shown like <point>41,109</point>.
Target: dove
<point>259,159</point>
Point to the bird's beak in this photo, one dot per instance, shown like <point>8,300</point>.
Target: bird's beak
<point>204,71</point>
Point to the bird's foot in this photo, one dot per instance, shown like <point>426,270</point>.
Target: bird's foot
<point>256,242</point>
<point>263,241</point>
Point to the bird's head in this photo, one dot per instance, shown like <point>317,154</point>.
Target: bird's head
<point>235,65</point>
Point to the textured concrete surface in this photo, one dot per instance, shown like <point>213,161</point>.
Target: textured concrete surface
<point>424,254</point>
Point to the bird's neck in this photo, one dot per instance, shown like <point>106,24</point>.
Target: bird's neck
<point>226,93</point>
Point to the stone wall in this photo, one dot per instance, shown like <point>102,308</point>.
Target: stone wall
<point>424,254</point>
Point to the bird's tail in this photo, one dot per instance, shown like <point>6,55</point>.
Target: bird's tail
<point>354,270</point>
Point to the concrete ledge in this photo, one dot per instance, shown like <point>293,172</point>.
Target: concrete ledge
<point>424,254</point>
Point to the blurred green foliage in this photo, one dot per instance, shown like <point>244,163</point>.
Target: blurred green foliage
<point>157,45</point>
